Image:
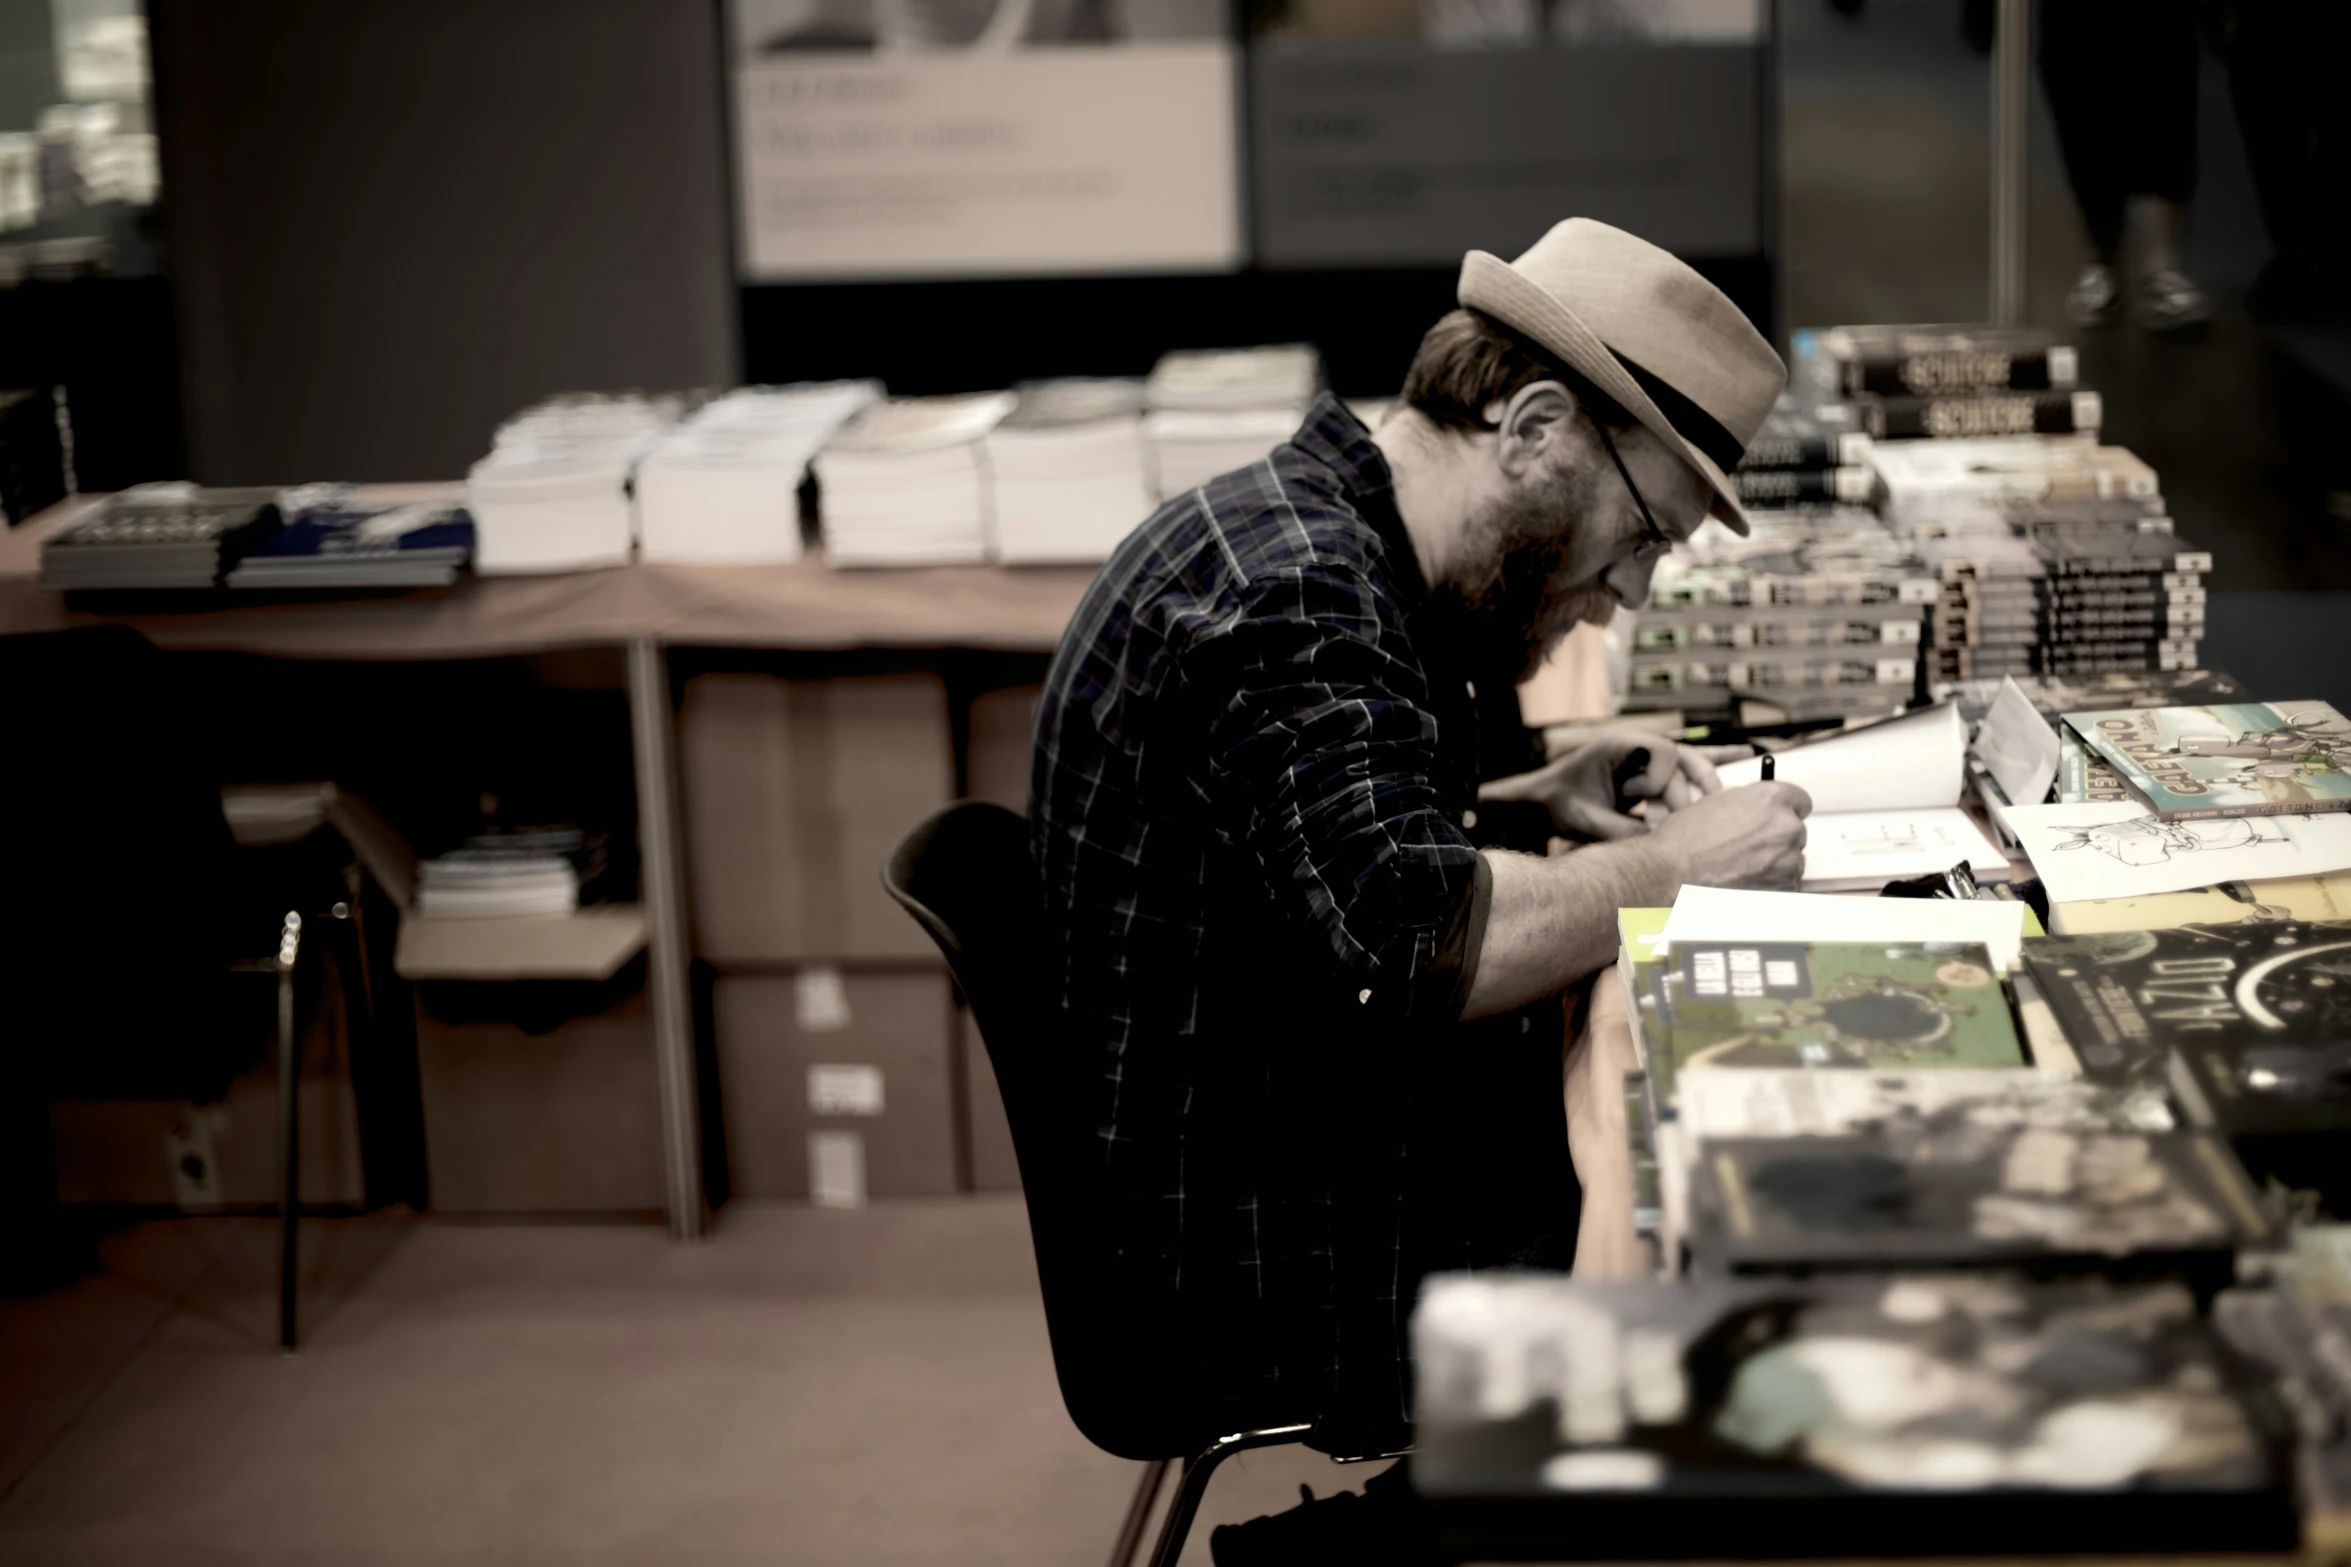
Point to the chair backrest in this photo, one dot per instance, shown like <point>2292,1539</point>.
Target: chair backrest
<point>969,877</point>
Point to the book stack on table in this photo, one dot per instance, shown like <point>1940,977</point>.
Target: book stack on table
<point>331,542</point>
<point>1214,410</point>
<point>1907,383</point>
<point>1807,454</point>
<point>905,483</point>
<point>1071,470</point>
<point>724,487</point>
<point>556,491</point>
<point>1818,611</point>
<point>159,536</point>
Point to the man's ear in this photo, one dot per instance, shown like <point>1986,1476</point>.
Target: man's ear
<point>1533,423</point>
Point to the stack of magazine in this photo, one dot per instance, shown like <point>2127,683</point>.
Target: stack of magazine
<point>1818,611</point>
<point>332,541</point>
<point>555,492</point>
<point>724,487</point>
<point>1907,383</point>
<point>1214,410</point>
<point>1071,472</point>
<point>160,536</point>
<point>906,483</point>
<point>1807,454</point>
<point>523,871</point>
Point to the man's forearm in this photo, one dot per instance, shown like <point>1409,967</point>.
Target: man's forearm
<point>1549,922</point>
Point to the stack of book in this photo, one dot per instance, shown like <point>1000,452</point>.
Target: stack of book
<point>1214,410</point>
<point>32,455</point>
<point>906,483</point>
<point>724,487</point>
<point>1817,610</point>
<point>554,492</point>
<point>1071,471</point>
<point>1906,383</point>
<point>1806,455</point>
<point>166,536</point>
<point>535,870</point>
<point>332,541</point>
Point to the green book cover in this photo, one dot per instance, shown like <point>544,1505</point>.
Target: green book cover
<point>2227,759</point>
<point>1826,1005</point>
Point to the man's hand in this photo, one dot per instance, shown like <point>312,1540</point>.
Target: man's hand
<point>1751,836</point>
<point>1581,789</point>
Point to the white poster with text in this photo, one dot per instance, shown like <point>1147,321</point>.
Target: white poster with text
<point>933,160</point>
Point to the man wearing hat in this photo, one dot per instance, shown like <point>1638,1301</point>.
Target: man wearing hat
<point>1318,1001</point>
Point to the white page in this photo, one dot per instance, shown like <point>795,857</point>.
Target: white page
<point>1739,914</point>
<point>1795,1102</point>
<point>2018,746</point>
<point>2119,849</point>
<point>1875,847</point>
<point>1906,763</point>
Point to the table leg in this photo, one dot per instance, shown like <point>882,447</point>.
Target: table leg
<point>661,852</point>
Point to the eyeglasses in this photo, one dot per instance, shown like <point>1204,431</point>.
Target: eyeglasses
<point>1655,541</point>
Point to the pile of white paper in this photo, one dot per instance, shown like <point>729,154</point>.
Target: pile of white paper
<point>1921,481</point>
<point>905,483</point>
<point>723,488</point>
<point>1214,410</point>
<point>553,495</point>
<point>1071,473</point>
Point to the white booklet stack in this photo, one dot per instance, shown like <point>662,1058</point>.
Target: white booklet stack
<point>905,483</point>
<point>1885,803</point>
<point>553,495</point>
<point>723,488</point>
<point>1071,473</point>
<point>1214,410</point>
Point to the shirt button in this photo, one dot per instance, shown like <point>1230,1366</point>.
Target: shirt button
<point>1471,687</point>
<point>1363,998</point>
<point>1469,818</point>
<point>1525,1023</point>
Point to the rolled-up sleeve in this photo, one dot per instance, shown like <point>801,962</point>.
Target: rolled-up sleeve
<point>1323,758</point>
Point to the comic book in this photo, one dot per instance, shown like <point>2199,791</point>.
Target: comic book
<point>2227,759</point>
<point>1716,1004</point>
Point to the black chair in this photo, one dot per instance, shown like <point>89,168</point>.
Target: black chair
<point>968,876</point>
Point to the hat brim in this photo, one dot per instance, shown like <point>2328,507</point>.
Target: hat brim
<point>1490,284</point>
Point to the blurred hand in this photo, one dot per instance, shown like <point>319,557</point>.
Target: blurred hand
<point>1581,792</point>
<point>1751,836</point>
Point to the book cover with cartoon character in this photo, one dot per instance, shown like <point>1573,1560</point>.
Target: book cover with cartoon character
<point>2227,759</point>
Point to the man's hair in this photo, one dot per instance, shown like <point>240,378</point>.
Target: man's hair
<point>1469,361</point>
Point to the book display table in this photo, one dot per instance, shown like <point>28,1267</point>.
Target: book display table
<point>645,610</point>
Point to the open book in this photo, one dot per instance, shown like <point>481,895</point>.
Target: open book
<point>1885,803</point>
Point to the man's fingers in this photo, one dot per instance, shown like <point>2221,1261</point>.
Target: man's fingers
<point>1793,795</point>
<point>1699,770</point>
<point>1679,792</point>
<point>1722,753</point>
<point>1520,786</point>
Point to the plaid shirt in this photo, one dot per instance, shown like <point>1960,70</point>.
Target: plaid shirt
<point>1249,797</point>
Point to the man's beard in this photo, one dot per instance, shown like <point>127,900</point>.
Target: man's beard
<point>1504,611</point>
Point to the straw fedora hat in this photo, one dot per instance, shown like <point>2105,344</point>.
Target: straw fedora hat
<point>1645,329</point>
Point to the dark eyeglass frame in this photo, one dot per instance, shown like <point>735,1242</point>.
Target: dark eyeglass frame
<point>1655,541</point>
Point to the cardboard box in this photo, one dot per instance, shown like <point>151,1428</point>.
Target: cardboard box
<point>820,1071</point>
<point>795,793</point>
<point>994,1165</point>
<point>1003,732</point>
<point>565,1120</point>
<point>165,1153</point>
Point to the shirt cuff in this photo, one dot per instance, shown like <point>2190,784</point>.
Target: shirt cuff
<point>1465,938</point>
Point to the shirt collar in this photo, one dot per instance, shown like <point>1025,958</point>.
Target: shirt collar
<point>1334,437</point>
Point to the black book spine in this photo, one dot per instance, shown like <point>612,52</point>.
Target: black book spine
<point>1979,416</point>
<point>1943,371</point>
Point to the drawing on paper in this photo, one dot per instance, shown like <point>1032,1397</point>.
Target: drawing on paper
<point>2150,841</point>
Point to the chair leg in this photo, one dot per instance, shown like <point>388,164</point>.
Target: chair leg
<point>1195,1484</point>
<point>289,1134</point>
<point>1130,1533</point>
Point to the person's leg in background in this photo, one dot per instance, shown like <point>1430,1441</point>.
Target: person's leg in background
<point>2121,81</point>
